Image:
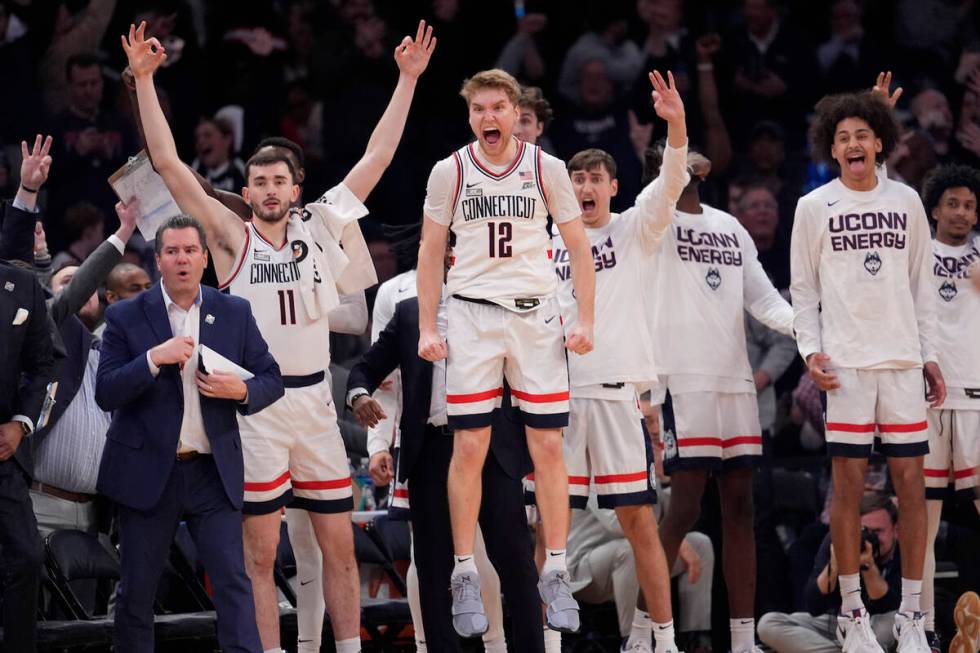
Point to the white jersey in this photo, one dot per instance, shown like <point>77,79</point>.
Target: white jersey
<point>499,217</point>
<point>622,250</point>
<point>706,276</point>
<point>957,321</point>
<point>861,282</point>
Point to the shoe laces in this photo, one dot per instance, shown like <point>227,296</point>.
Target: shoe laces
<point>912,634</point>
<point>464,589</point>
<point>860,630</point>
<point>558,584</point>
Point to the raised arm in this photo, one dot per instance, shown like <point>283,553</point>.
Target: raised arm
<point>717,141</point>
<point>224,228</point>
<point>412,57</point>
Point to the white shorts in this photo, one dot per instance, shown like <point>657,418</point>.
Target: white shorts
<point>294,454</point>
<point>953,460</point>
<point>889,403</point>
<point>488,343</point>
<point>398,506</point>
<point>711,430</point>
<point>607,442</point>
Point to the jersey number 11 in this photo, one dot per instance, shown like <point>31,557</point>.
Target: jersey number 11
<point>287,307</point>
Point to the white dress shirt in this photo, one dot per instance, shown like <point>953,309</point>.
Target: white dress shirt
<point>193,437</point>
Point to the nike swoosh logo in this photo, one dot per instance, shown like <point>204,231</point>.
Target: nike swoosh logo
<point>550,319</point>
<point>475,183</point>
<point>832,203</point>
<point>401,290</point>
<point>303,641</point>
<point>465,559</point>
<point>304,583</point>
<point>663,627</point>
<point>746,621</point>
<point>554,554</point>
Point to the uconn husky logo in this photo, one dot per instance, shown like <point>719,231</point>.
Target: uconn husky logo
<point>948,290</point>
<point>872,263</point>
<point>713,278</point>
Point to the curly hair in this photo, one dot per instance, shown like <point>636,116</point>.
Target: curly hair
<point>832,109</point>
<point>534,99</point>
<point>942,178</point>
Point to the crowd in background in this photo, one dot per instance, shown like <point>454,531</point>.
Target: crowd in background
<point>320,74</point>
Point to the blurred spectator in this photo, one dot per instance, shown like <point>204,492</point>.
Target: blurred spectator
<point>521,56</point>
<point>968,129</point>
<point>216,161</point>
<point>931,34</point>
<point>91,311</point>
<point>807,412</point>
<point>303,121</point>
<point>84,225</point>
<point>125,280</point>
<point>17,119</point>
<point>7,181</point>
<point>384,259</point>
<point>606,43</point>
<point>815,631</point>
<point>597,119</point>
<point>768,158</point>
<point>912,158</point>
<point>768,60</point>
<point>848,59</point>
<point>934,118</point>
<point>535,115</point>
<point>89,145</point>
<point>77,27</point>
<point>770,354</point>
<point>758,211</point>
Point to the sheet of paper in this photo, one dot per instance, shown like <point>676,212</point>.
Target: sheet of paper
<point>215,362</point>
<point>138,179</point>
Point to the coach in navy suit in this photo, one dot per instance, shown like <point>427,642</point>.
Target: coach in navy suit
<point>173,450</point>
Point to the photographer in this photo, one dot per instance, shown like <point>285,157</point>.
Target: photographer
<point>815,631</point>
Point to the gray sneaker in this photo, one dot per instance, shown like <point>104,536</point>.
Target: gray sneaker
<point>557,595</point>
<point>469,619</point>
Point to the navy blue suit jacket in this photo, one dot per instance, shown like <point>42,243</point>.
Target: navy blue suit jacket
<point>143,437</point>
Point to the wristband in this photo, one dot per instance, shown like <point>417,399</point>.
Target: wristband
<point>30,190</point>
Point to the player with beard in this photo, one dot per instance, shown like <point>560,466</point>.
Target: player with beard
<point>950,196</point>
<point>289,268</point>
<point>864,307</point>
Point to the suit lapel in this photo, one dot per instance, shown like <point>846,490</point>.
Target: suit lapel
<point>206,329</point>
<point>156,313</point>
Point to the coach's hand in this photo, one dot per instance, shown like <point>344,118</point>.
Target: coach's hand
<point>579,339</point>
<point>367,411</point>
<point>432,346</point>
<point>818,364</point>
<point>935,384</point>
<point>175,351</point>
<point>382,468</point>
<point>11,434</point>
<point>221,385</point>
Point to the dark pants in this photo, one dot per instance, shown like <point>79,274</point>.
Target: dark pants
<point>507,537</point>
<point>21,556</point>
<point>194,493</point>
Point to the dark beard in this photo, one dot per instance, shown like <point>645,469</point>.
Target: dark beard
<point>265,216</point>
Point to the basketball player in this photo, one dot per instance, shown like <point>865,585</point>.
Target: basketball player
<point>288,268</point>
<point>503,319</point>
<point>605,441</point>
<point>864,307</point>
<point>950,195</point>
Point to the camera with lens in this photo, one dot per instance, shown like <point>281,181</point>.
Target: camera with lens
<point>868,535</point>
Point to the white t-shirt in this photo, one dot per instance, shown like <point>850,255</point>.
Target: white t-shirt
<point>957,321</point>
<point>622,249</point>
<point>499,216</point>
<point>707,275</point>
<point>861,282</point>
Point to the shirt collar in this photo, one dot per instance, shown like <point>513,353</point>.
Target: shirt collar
<point>168,302</point>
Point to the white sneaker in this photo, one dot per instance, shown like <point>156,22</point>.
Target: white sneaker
<point>910,631</point>
<point>639,646</point>
<point>855,635</point>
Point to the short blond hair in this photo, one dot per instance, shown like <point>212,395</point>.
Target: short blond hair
<point>493,78</point>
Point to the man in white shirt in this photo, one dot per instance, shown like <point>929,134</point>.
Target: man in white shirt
<point>865,324</point>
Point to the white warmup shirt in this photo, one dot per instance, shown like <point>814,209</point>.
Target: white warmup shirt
<point>622,250</point>
<point>499,215</point>
<point>861,283</point>
<point>707,275</point>
<point>957,321</point>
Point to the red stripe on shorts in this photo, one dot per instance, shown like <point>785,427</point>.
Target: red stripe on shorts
<point>578,480</point>
<point>936,473</point>
<point>334,484</point>
<point>850,428</point>
<point>903,428</point>
<point>540,399</point>
<point>622,478</point>
<point>474,397</point>
<point>265,487</point>
<point>963,473</point>
<point>698,442</point>
<point>401,493</point>
<point>742,439</point>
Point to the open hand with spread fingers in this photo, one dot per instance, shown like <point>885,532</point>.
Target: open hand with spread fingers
<point>882,89</point>
<point>667,101</point>
<point>412,56</point>
<point>144,55</point>
<point>35,163</point>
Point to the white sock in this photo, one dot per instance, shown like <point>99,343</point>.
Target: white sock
<point>552,641</point>
<point>496,645</point>
<point>911,591</point>
<point>640,632</point>
<point>554,559</point>
<point>308,646</point>
<point>850,592</point>
<point>743,635</point>
<point>273,650</point>
<point>663,637</point>
<point>464,563</point>
<point>352,645</point>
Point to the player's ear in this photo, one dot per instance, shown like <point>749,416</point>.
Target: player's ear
<point>245,193</point>
<point>878,145</point>
<point>294,194</point>
<point>614,186</point>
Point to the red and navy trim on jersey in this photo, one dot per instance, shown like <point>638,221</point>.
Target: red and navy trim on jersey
<point>538,179</point>
<point>267,241</point>
<point>241,259</point>
<point>471,152</point>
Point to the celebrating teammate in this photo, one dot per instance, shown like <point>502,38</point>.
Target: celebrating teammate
<point>860,262</point>
<point>605,441</point>
<point>950,196</point>
<point>503,320</point>
<point>288,267</point>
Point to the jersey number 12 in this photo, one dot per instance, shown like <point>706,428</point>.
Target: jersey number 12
<point>500,235</point>
<point>287,307</point>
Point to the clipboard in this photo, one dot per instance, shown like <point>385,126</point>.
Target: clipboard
<point>137,178</point>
